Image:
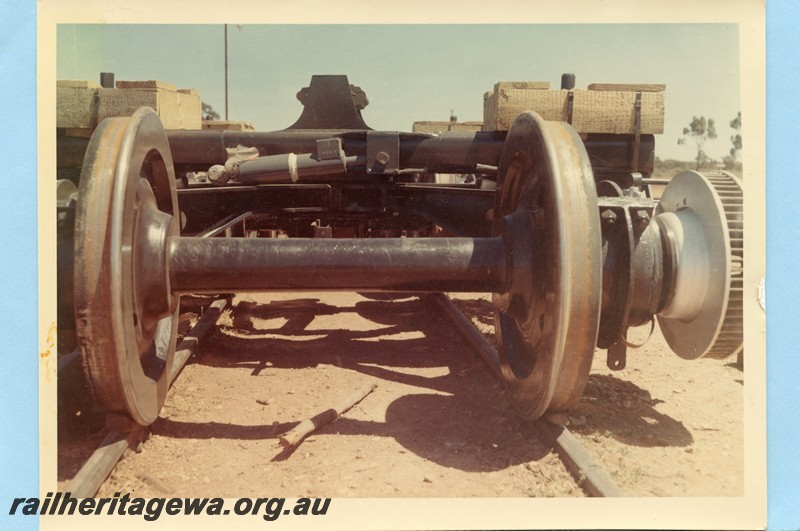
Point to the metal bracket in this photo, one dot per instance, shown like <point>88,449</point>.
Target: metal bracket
<point>570,106</point>
<point>329,149</point>
<point>637,121</point>
<point>616,355</point>
<point>383,152</point>
<point>320,231</point>
<point>329,102</point>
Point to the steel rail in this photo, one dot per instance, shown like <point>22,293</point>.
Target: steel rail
<point>96,469</point>
<point>588,473</point>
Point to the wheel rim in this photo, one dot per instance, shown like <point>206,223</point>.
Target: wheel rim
<point>547,321</point>
<point>126,318</point>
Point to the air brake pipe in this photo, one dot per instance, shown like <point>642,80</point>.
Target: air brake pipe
<point>288,168</point>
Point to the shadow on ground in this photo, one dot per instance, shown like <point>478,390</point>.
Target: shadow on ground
<point>459,419</point>
<point>615,407</point>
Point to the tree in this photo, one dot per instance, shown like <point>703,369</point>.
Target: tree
<point>736,139</point>
<point>207,112</point>
<point>700,130</point>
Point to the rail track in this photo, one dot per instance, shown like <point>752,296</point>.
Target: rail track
<point>124,435</point>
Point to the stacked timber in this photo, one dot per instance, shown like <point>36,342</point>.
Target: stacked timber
<point>602,108</point>
<point>81,105</point>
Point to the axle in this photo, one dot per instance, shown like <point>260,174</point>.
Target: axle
<point>213,265</point>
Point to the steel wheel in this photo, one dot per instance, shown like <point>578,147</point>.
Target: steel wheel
<point>547,322</point>
<point>706,209</point>
<point>126,318</point>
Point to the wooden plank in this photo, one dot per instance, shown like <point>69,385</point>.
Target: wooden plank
<point>443,127</point>
<point>176,110</point>
<point>147,84</point>
<point>614,112</point>
<point>509,103</point>
<point>529,85</point>
<point>77,83</point>
<point>635,87</point>
<point>76,104</point>
<point>124,102</point>
<point>189,110</point>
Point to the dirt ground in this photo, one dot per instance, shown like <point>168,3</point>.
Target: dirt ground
<point>437,425</point>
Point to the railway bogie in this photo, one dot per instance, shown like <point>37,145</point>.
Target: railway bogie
<point>560,227</point>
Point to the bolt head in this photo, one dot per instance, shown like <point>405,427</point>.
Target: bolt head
<point>641,218</point>
<point>608,217</point>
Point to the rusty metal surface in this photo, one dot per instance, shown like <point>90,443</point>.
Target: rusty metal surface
<point>127,349</point>
<point>548,319</point>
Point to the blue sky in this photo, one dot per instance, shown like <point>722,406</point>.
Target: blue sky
<point>419,72</point>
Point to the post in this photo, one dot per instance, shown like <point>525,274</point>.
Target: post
<point>226,71</point>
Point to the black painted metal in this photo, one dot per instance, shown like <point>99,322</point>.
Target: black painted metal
<point>213,265</point>
<point>636,271</point>
<point>462,211</point>
<point>107,79</point>
<point>567,81</point>
<point>610,155</point>
<point>446,152</point>
<point>328,103</point>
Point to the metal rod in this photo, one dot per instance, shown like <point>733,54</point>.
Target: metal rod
<point>224,224</point>
<point>226,71</point>
<point>214,265</point>
<point>655,181</point>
